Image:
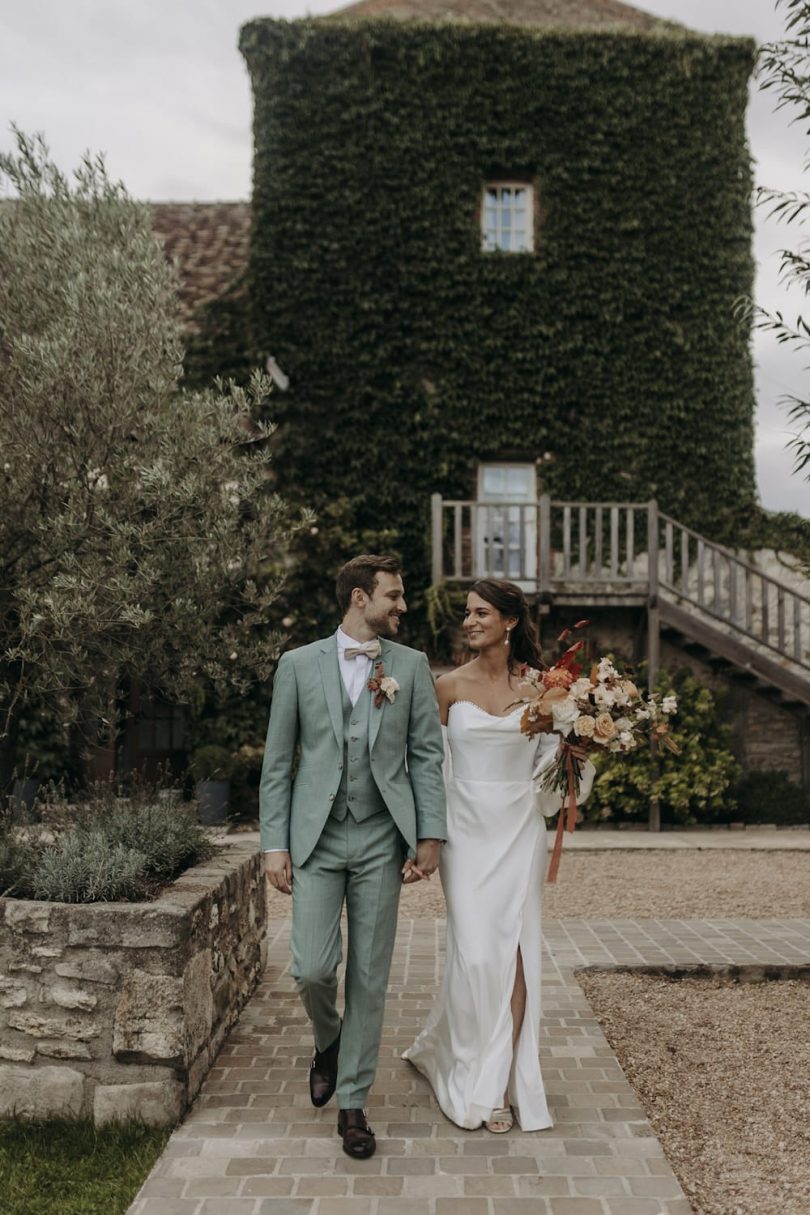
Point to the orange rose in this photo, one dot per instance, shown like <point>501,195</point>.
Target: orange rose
<point>558,678</point>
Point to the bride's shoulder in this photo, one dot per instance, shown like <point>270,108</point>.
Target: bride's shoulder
<point>449,687</point>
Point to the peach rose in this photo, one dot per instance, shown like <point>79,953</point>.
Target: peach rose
<point>604,729</point>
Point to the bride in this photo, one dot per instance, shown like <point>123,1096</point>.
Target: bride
<point>480,1046</point>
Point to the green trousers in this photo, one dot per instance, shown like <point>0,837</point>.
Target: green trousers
<point>359,863</point>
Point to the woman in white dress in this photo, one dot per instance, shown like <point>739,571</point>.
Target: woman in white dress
<point>480,1046</point>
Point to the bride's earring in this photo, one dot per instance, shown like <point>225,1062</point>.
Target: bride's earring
<point>506,639</point>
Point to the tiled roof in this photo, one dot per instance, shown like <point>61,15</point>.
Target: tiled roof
<point>208,242</point>
<point>580,14</point>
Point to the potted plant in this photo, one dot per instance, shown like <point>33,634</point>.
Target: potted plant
<point>212,768</point>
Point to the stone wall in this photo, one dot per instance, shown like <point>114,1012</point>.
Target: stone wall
<point>113,1010</point>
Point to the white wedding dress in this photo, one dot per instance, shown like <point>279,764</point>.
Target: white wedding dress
<point>492,870</point>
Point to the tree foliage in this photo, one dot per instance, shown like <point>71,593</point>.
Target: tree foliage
<point>138,537</point>
<point>784,70</point>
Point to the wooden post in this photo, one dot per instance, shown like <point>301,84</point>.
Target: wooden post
<point>653,641</point>
<point>436,538</point>
<point>545,544</point>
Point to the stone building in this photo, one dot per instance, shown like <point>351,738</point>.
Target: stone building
<point>501,242</point>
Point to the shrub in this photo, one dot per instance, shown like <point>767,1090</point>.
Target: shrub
<point>107,848</point>
<point>771,797</point>
<point>694,786</point>
<point>212,763</point>
<point>85,867</point>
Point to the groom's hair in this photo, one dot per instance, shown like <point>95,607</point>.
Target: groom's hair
<point>362,571</point>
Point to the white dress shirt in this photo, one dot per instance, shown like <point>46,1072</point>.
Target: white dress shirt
<point>355,673</point>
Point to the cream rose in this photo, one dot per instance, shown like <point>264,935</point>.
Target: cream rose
<point>389,687</point>
<point>564,713</point>
<point>584,726</point>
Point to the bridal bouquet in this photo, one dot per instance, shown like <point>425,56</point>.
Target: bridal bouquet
<point>600,709</point>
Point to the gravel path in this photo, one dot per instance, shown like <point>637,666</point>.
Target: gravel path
<point>723,1072</point>
<point>651,885</point>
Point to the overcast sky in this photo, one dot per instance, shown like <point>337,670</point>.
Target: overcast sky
<point>160,87</point>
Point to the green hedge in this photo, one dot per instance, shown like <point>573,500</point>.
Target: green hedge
<point>411,355</point>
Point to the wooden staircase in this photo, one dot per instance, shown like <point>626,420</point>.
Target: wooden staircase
<point>703,596</point>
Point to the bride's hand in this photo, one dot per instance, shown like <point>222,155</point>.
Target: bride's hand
<point>410,873</point>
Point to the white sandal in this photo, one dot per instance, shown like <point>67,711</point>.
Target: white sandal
<point>505,1116</point>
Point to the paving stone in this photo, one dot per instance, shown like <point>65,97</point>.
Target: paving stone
<point>168,1206</point>
<point>227,1206</point>
<point>462,1206</point>
<point>345,1206</point>
<point>265,1187</point>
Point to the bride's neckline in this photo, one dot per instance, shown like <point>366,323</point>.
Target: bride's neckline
<point>497,716</point>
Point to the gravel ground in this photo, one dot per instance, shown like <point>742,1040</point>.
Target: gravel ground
<point>655,884</point>
<point>723,1072</point>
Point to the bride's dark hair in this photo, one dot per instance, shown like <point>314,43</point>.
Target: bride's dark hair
<point>509,600</point>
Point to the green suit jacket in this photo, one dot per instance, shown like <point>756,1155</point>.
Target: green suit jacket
<point>405,748</point>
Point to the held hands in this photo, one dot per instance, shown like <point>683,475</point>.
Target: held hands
<point>278,869</point>
<point>425,864</point>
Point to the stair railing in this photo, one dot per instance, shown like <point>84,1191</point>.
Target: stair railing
<point>731,590</point>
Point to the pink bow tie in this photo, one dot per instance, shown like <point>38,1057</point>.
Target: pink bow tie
<point>369,649</point>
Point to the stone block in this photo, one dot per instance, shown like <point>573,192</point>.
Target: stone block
<point>157,1103</point>
<point>89,970</point>
<point>24,916</point>
<point>13,994</point>
<point>67,997</point>
<point>47,951</point>
<point>53,1027</point>
<point>198,1002</point>
<point>149,1022</point>
<point>28,967</point>
<point>41,1092</point>
<point>64,1050</point>
<point>131,927</point>
<point>17,1054</point>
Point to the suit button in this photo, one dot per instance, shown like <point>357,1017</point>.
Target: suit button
<point>340,766</point>
<point>354,738</point>
<point>331,797</point>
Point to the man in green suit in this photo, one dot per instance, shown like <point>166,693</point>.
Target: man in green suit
<point>365,813</point>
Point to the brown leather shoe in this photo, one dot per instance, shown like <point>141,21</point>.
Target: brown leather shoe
<point>323,1073</point>
<point>358,1137</point>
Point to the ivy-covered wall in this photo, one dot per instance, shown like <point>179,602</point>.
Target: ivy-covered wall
<point>412,355</point>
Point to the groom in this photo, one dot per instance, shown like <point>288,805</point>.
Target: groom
<point>364,814</point>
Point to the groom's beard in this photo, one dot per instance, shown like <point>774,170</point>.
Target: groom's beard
<point>385,625</point>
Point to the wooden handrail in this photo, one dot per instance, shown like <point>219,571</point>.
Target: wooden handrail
<point>552,546</point>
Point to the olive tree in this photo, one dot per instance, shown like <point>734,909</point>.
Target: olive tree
<point>139,535</point>
<point>784,69</point>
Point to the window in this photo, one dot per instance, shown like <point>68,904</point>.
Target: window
<point>506,535</point>
<point>507,217</point>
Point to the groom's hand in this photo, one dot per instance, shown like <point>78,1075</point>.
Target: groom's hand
<point>278,868</point>
<point>426,863</point>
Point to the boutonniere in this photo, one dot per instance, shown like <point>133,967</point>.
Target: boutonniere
<point>382,685</point>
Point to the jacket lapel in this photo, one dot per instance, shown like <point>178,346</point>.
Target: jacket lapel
<point>330,677</point>
<point>387,659</point>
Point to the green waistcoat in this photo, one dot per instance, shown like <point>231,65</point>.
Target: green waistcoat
<point>358,794</point>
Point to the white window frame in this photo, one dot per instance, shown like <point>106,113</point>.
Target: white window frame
<point>503,530</point>
<point>494,212</point>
